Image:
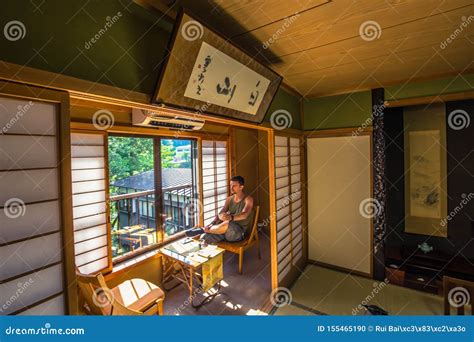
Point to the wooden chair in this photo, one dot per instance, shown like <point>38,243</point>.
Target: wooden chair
<point>132,297</point>
<point>241,246</point>
<point>462,295</point>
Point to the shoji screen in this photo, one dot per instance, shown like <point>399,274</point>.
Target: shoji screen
<point>339,189</point>
<point>32,224</point>
<point>289,204</point>
<point>214,177</point>
<point>90,195</point>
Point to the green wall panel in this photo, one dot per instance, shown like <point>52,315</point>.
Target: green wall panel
<point>448,85</point>
<point>130,41</point>
<point>285,101</point>
<point>347,110</point>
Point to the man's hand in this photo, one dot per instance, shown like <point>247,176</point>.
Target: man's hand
<point>225,217</point>
<point>207,229</point>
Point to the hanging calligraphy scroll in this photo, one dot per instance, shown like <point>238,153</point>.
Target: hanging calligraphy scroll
<point>206,74</point>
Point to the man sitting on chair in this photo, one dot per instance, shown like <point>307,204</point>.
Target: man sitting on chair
<point>235,218</point>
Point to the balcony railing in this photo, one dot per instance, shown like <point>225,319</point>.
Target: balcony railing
<point>133,217</point>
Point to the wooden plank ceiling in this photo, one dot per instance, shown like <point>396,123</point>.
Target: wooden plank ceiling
<point>319,50</point>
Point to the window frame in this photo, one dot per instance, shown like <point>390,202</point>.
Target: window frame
<point>158,202</point>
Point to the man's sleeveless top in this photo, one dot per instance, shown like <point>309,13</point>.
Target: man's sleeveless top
<point>236,208</point>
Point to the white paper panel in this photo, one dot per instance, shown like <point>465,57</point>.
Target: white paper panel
<point>298,256</point>
<point>88,210</point>
<point>283,263</point>
<point>281,161</point>
<point>87,163</point>
<point>295,160</point>
<point>89,233</point>
<point>281,151</point>
<point>87,139</point>
<point>53,307</point>
<point>92,197</point>
<point>280,193</point>
<point>339,158</point>
<point>87,151</point>
<point>281,182</point>
<point>283,273</point>
<point>27,117</point>
<point>297,221</point>
<point>295,178</point>
<point>295,206</point>
<point>28,255</point>
<point>295,151</point>
<point>282,244</point>
<point>29,186</point>
<point>295,169</point>
<point>91,256</point>
<point>87,175</point>
<point>295,142</point>
<point>281,141</point>
<point>283,212</point>
<point>88,186</point>
<point>281,172</point>
<point>38,219</point>
<point>284,252</point>
<point>27,152</point>
<point>94,267</point>
<point>90,221</point>
<point>88,245</point>
<point>283,222</point>
<point>35,287</point>
<point>283,232</point>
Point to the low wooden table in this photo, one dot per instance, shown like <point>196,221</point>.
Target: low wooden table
<point>183,260</point>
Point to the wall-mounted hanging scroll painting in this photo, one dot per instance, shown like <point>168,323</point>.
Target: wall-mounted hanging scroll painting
<point>425,170</point>
<point>206,74</point>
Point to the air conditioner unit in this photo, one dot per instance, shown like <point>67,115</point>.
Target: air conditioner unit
<point>148,118</point>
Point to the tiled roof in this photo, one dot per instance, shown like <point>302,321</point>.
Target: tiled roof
<point>146,181</point>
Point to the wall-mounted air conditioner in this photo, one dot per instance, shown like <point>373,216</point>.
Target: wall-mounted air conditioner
<point>148,118</point>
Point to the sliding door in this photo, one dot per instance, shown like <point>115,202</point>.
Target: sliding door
<point>36,253</point>
<point>340,198</point>
<point>289,216</point>
<point>90,197</point>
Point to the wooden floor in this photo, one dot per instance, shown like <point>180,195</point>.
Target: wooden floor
<point>241,294</point>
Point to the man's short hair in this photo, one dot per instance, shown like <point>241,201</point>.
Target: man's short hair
<point>239,179</point>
